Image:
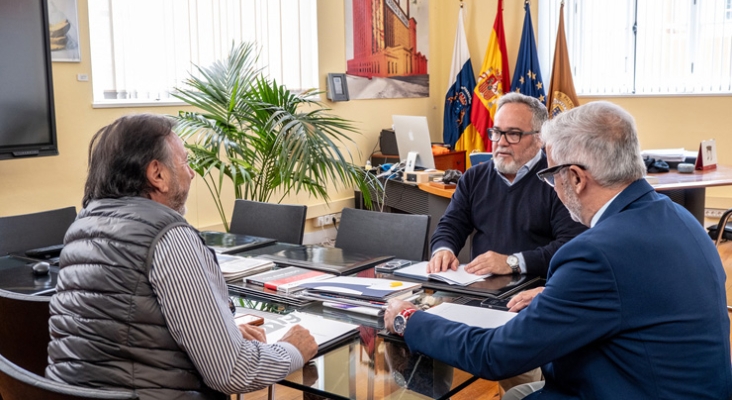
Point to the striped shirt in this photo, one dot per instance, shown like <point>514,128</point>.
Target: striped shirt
<point>193,297</point>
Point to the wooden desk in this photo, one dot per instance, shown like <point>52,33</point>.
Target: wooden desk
<point>452,160</point>
<point>688,190</point>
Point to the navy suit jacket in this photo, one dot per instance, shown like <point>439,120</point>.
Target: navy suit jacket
<point>633,308</point>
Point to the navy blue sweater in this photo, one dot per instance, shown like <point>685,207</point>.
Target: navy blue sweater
<point>526,217</point>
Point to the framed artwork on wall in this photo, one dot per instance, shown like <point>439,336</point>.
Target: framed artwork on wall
<point>63,28</point>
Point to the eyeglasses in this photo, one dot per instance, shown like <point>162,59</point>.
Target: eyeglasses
<point>547,174</point>
<point>512,137</point>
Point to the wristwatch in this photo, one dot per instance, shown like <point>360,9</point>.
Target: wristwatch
<point>400,321</point>
<point>513,262</point>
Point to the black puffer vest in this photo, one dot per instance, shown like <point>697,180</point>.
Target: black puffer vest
<point>107,328</point>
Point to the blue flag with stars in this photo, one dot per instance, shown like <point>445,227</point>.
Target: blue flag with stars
<point>527,74</point>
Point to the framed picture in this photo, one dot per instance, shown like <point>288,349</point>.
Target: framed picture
<point>63,27</point>
<point>337,87</point>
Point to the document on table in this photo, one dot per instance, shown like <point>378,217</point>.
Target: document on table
<point>325,331</point>
<point>459,277</point>
<point>473,316</point>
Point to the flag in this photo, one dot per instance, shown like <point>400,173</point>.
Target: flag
<point>527,74</point>
<point>493,81</point>
<point>459,97</point>
<point>562,96</point>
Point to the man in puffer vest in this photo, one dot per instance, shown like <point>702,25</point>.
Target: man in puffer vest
<point>141,303</point>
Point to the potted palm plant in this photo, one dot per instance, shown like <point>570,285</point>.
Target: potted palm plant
<point>264,138</point>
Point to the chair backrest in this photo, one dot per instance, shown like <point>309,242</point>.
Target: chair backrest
<point>19,384</point>
<point>376,233</point>
<point>29,231</point>
<point>283,222</point>
<point>24,332</point>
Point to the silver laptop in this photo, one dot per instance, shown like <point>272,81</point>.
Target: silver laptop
<point>413,135</point>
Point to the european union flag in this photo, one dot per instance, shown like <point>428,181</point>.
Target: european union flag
<point>527,74</point>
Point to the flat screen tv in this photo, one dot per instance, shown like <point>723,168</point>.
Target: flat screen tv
<point>27,122</point>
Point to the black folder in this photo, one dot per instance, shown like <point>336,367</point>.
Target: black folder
<point>327,259</point>
<point>232,243</point>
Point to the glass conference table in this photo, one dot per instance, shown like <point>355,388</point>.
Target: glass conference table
<point>372,365</point>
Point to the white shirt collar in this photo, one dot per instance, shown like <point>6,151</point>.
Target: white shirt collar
<point>601,211</point>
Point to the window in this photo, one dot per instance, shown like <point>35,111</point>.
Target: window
<point>643,46</point>
<point>142,49</point>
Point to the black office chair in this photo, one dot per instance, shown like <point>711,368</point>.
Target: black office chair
<point>283,222</point>
<point>19,384</point>
<point>29,231</point>
<point>376,233</point>
<point>24,333</point>
<point>721,230</point>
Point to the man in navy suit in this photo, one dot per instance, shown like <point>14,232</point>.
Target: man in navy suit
<point>633,308</point>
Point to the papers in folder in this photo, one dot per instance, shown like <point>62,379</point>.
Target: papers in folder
<point>234,268</point>
<point>669,155</point>
<point>459,277</point>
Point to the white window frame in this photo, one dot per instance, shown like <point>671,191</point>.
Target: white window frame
<point>142,49</point>
<point>657,47</point>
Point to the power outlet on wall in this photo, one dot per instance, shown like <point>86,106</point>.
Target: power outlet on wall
<point>326,220</point>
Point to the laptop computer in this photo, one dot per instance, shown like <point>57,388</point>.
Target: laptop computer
<point>413,135</point>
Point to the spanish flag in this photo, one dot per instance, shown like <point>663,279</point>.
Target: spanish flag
<point>562,95</point>
<point>459,97</point>
<point>493,81</point>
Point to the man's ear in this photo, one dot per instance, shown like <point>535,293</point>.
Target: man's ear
<point>577,177</point>
<point>157,175</point>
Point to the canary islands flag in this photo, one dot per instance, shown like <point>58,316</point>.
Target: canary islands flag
<point>459,97</point>
<point>493,81</point>
<point>527,74</point>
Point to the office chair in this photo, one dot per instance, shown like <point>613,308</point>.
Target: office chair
<point>19,384</point>
<point>376,233</point>
<point>24,333</point>
<point>29,231</point>
<point>721,230</point>
<point>283,222</point>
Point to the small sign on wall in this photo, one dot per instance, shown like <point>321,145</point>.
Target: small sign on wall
<point>707,157</point>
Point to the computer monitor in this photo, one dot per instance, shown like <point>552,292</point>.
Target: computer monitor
<point>413,135</point>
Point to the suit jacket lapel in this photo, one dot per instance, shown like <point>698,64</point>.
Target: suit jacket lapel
<point>633,192</point>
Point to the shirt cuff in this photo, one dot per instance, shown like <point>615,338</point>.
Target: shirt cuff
<point>522,262</point>
<point>297,361</point>
<point>440,249</point>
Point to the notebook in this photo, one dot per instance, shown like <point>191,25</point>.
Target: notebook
<point>327,259</point>
<point>459,277</point>
<point>232,243</point>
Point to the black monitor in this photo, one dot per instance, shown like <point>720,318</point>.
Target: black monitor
<point>27,121</point>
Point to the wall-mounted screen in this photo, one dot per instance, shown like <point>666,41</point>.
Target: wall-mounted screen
<point>27,122</point>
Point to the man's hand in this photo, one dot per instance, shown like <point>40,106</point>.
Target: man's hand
<point>250,332</point>
<point>302,340</point>
<point>442,261</point>
<point>489,262</point>
<point>395,306</point>
<point>523,299</point>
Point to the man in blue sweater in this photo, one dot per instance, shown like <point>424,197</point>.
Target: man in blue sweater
<point>519,222</point>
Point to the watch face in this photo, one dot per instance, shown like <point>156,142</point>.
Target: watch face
<point>512,260</point>
<point>400,324</point>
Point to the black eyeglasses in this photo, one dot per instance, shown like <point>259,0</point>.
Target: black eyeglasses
<point>512,137</point>
<point>547,174</point>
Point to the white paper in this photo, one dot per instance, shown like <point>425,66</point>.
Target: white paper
<point>474,316</point>
<point>323,330</point>
<point>459,277</point>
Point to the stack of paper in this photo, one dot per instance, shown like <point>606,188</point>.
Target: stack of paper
<point>673,155</point>
<point>459,277</point>
<point>287,280</point>
<point>368,292</point>
<point>234,268</point>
